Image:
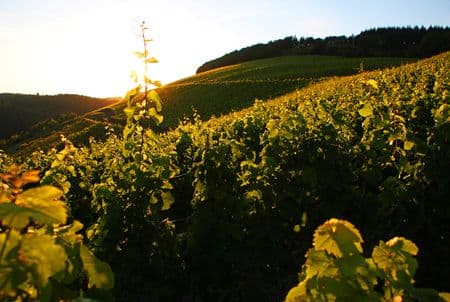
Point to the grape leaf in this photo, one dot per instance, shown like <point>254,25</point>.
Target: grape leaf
<point>153,95</point>
<point>43,205</point>
<point>99,272</point>
<point>396,256</point>
<point>42,256</point>
<point>297,294</point>
<point>338,237</point>
<point>404,245</point>
<point>318,262</point>
<point>40,210</point>
<point>155,116</point>
<point>15,216</point>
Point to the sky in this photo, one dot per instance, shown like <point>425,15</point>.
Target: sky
<point>86,46</point>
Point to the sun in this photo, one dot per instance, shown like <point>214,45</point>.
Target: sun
<point>91,52</point>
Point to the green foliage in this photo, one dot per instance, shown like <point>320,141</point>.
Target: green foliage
<point>235,87</point>
<point>40,252</point>
<point>335,269</point>
<point>234,193</point>
<point>338,238</point>
<point>210,94</point>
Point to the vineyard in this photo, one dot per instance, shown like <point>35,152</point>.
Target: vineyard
<point>212,93</point>
<point>226,209</point>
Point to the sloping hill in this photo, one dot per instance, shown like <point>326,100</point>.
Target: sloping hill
<point>214,93</point>
<point>20,111</point>
<point>234,87</point>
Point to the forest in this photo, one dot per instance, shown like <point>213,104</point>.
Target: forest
<point>412,42</point>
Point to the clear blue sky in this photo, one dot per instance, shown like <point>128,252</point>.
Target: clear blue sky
<point>86,46</point>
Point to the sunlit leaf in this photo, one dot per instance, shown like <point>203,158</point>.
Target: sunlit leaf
<point>372,83</point>
<point>403,244</point>
<point>44,200</point>
<point>151,60</point>
<point>99,272</point>
<point>254,194</point>
<point>14,216</point>
<point>318,263</point>
<point>42,256</point>
<point>155,116</point>
<point>153,95</point>
<point>152,135</point>
<point>396,256</point>
<point>408,145</point>
<point>442,114</point>
<point>132,93</point>
<point>129,111</point>
<point>41,204</point>
<point>139,54</point>
<point>366,111</point>
<point>338,237</point>
<point>168,200</point>
<point>297,294</point>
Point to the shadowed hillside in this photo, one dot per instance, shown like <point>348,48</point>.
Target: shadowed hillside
<point>20,111</point>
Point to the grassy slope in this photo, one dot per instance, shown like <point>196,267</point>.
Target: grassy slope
<point>19,111</point>
<point>216,92</point>
<point>232,88</point>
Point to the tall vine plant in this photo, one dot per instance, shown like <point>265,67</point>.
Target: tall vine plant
<point>133,193</point>
<point>143,103</point>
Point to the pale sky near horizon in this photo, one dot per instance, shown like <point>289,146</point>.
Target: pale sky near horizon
<point>86,46</point>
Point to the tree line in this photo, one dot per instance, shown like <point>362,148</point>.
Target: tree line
<point>418,42</point>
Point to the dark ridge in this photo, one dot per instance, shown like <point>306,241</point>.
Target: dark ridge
<point>412,42</point>
<point>18,112</point>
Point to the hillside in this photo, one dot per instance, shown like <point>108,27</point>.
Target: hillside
<point>20,111</point>
<point>225,210</point>
<point>212,93</point>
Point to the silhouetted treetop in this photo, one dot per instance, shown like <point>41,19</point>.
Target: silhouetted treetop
<point>415,41</point>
